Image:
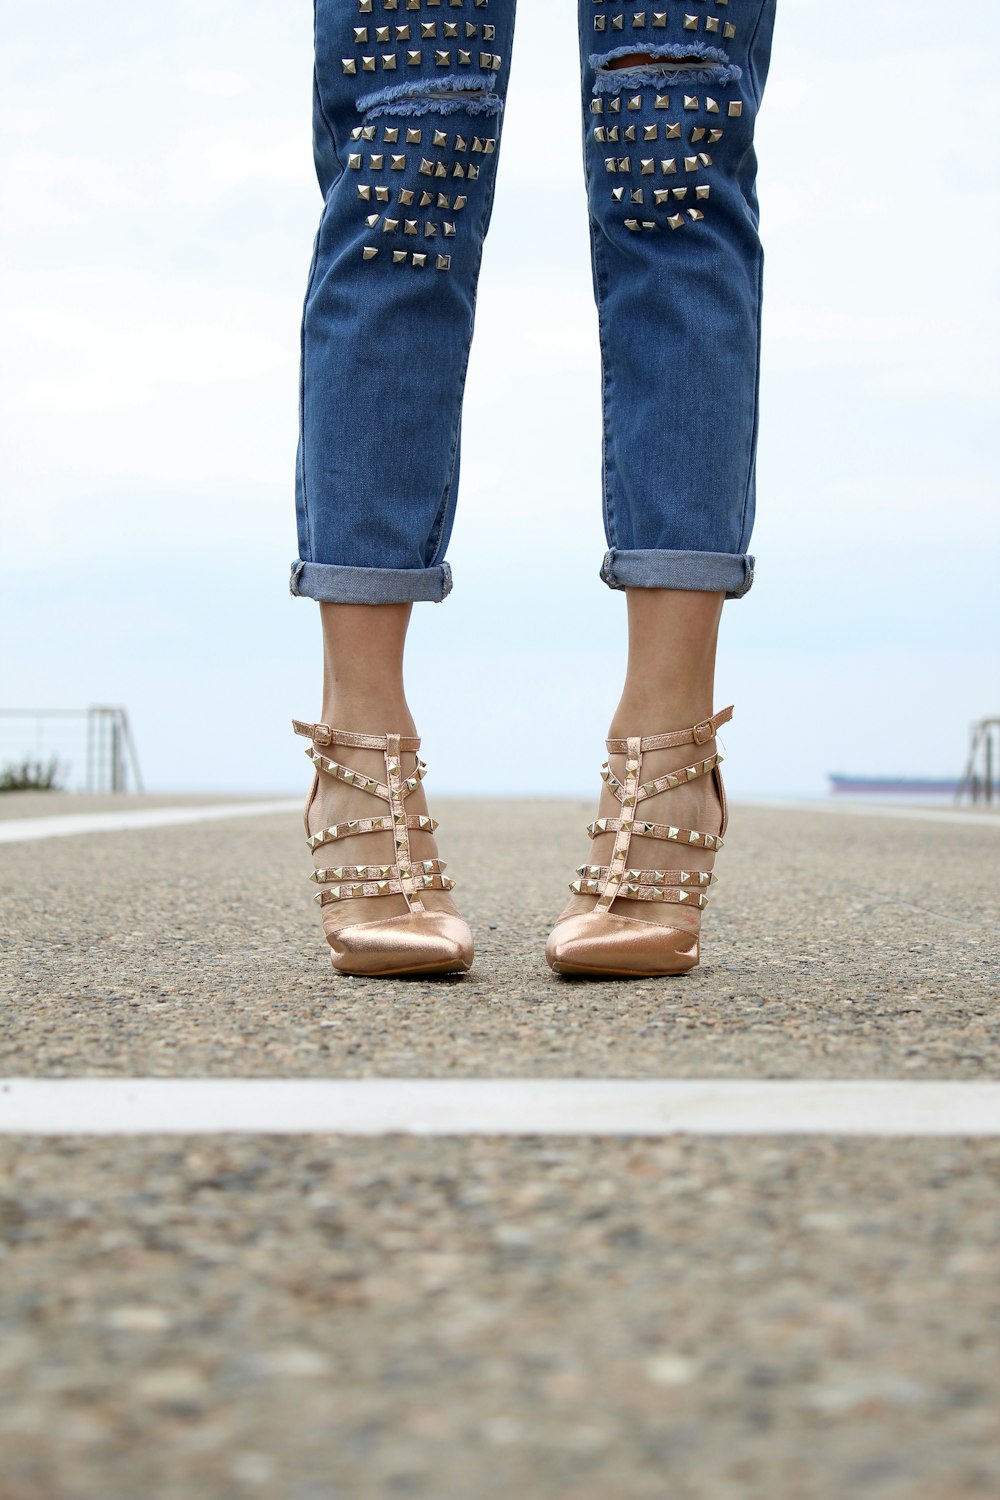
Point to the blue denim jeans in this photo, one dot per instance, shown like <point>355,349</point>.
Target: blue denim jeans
<point>408,120</point>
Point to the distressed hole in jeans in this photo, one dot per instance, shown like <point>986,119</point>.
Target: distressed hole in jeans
<point>644,59</point>
<point>448,95</point>
<point>692,62</point>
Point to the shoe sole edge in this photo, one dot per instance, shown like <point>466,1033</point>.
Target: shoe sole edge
<point>601,973</point>
<point>451,967</point>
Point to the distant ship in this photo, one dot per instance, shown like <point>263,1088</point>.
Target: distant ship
<point>914,786</point>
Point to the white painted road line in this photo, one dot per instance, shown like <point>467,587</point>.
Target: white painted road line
<point>21,830</point>
<point>498,1106</point>
<point>857,809</point>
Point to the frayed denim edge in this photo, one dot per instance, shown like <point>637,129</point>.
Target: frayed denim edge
<point>415,98</point>
<point>609,80</point>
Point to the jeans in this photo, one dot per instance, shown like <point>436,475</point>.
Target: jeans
<point>408,120</point>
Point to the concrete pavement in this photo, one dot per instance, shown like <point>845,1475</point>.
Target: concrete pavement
<point>469,1317</point>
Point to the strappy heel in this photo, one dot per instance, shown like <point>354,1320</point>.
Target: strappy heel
<point>603,941</point>
<point>418,941</point>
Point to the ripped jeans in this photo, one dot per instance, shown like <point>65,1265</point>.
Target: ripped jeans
<point>408,116</point>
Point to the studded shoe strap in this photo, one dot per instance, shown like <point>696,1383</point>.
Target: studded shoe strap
<point>648,885</point>
<point>402,877</point>
<point>352,826</point>
<point>382,789</point>
<point>351,881</point>
<point>607,882</point>
<point>668,832</point>
<point>628,796</point>
<point>698,734</point>
<point>662,783</point>
<point>397,812</point>
<point>322,734</point>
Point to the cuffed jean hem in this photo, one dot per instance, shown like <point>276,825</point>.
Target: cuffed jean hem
<point>731,572</point>
<point>332,584</point>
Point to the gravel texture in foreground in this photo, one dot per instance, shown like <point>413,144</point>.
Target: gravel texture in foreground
<point>478,1319</point>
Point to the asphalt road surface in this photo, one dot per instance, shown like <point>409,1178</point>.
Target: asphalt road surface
<point>321,1315</point>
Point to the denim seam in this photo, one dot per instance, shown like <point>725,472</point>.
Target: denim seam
<point>608,506</point>
<point>744,539</point>
<point>754,83</point>
<point>302,391</point>
<point>319,93</point>
<point>323,114</point>
<point>751,70</point>
<point>447,506</point>
<point>310,280</point>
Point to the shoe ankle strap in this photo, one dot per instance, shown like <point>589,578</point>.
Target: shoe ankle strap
<point>322,734</point>
<point>698,734</point>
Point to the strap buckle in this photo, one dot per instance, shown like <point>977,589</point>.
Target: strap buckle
<point>322,734</point>
<point>703,731</point>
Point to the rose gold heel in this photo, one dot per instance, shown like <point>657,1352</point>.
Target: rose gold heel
<point>419,941</point>
<point>600,941</point>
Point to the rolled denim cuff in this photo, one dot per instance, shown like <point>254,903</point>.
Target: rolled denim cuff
<point>729,572</point>
<point>332,584</point>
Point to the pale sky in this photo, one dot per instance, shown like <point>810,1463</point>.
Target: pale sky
<point>157,216</point>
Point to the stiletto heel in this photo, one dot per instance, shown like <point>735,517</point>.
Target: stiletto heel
<point>419,941</point>
<point>601,941</point>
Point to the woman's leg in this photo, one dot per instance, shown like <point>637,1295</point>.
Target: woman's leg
<point>670,97</point>
<point>408,104</point>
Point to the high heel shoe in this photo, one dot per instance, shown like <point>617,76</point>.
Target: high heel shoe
<point>600,941</point>
<point>419,941</point>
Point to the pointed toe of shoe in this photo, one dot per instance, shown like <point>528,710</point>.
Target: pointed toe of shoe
<point>428,942</point>
<point>602,943</point>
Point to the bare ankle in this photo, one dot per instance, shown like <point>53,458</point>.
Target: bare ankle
<point>369,714</point>
<point>659,713</point>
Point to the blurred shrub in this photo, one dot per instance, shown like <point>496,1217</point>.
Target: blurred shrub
<point>30,776</point>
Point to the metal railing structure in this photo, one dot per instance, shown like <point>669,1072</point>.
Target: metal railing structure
<point>981,778</point>
<point>91,749</point>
